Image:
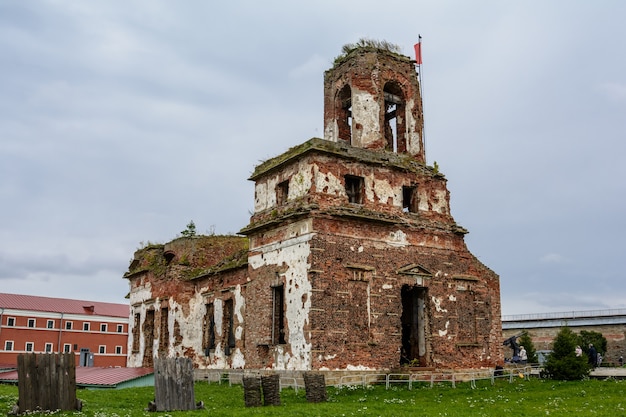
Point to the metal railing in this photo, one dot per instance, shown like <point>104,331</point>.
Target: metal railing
<point>565,315</point>
<point>430,378</point>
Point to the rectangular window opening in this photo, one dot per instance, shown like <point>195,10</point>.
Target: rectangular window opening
<point>118,350</point>
<point>102,349</point>
<point>8,345</point>
<point>86,326</point>
<point>29,346</point>
<point>120,328</point>
<point>68,325</point>
<point>278,315</point>
<point>229,320</point>
<point>164,332</point>
<point>50,324</point>
<point>10,321</point>
<point>136,330</point>
<point>354,189</point>
<point>282,193</point>
<point>409,199</point>
<point>208,329</point>
<point>67,348</point>
<point>48,348</point>
<point>103,327</point>
<point>31,322</point>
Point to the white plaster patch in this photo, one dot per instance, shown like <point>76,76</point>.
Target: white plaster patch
<point>397,239</point>
<point>141,294</point>
<point>240,303</point>
<point>328,183</point>
<point>444,332</point>
<point>294,254</point>
<point>329,357</point>
<point>440,202</point>
<point>387,286</point>
<point>413,131</point>
<point>238,361</point>
<point>437,302</point>
<point>300,183</point>
<point>365,110</point>
<point>452,297</point>
<point>358,368</point>
<point>360,249</point>
<point>384,191</point>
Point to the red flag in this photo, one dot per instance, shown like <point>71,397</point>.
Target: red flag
<point>418,53</point>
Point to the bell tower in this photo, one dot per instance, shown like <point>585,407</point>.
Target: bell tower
<point>372,100</point>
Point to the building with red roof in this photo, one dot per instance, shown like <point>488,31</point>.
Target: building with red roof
<point>96,332</point>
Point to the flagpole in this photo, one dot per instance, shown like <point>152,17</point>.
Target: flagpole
<point>418,60</point>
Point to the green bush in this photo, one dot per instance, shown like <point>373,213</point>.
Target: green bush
<point>563,364</point>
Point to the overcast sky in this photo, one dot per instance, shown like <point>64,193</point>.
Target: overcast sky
<point>121,121</point>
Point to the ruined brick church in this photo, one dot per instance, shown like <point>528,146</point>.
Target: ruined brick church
<point>351,259</point>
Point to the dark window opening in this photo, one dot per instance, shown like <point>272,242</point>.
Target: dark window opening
<point>354,189</point>
<point>136,330</point>
<point>208,330</point>
<point>344,114</point>
<point>10,321</point>
<point>229,321</point>
<point>394,118</point>
<point>164,333</point>
<point>148,336</point>
<point>413,326</point>
<point>50,324</point>
<point>68,325</point>
<point>75,346</point>
<point>31,322</point>
<point>409,199</point>
<point>282,193</point>
<point>278,315</point>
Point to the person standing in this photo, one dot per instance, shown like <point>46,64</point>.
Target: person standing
<point>593,356</point>
<point>523,356</point>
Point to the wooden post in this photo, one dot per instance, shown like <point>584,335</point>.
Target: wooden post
<point>315,385</point>
<point>47,382</point>
<point>173,384</point>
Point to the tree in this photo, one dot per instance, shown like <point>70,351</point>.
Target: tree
<point>586,337</point>
<point>563,364</point>
<point>526,341</point>
<point>190,230</point>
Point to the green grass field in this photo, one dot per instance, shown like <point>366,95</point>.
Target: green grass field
<point>534,397</point>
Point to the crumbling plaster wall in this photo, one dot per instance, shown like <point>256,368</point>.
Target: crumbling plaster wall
<point>367,72</point>
<point>321,180</point>
<point>287,262</point>
<point>169,283</point>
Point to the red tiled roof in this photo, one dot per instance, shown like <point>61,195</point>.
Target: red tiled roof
<point>95,376</point>
<point>63,305</point>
